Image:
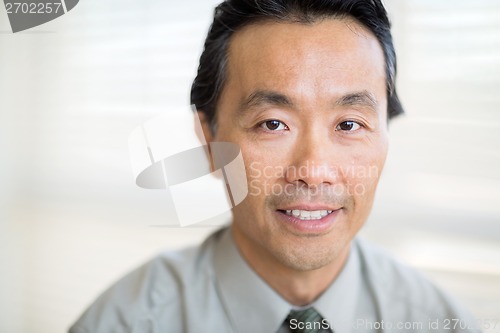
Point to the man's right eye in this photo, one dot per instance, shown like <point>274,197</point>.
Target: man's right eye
<point>273,125</point>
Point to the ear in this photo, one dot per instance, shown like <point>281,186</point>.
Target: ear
<point>205,135</point>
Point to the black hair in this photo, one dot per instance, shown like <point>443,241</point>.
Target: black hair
<point>232,15</point>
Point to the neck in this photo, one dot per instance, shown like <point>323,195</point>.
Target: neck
<point>297,287</point>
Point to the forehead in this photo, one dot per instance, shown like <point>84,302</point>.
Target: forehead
<point>332,51</point>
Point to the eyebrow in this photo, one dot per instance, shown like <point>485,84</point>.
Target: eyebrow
<point>361,98</point>
<point>265,97</point>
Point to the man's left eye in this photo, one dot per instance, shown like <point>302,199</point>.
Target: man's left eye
<point>348,126</point>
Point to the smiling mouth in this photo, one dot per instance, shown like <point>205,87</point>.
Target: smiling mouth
<point>307,214</point>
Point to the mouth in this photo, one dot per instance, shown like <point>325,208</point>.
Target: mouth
<point>306,215</point>
<point>310,221</point>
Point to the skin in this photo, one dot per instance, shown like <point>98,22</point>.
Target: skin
<point>316,128</point>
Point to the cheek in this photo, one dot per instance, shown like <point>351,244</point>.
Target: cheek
<point>263,176</point>
<point>364,173</point>
<point>262,161</point>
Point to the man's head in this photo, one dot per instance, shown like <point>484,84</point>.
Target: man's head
<point>231,16</point>
<point>305,88</point>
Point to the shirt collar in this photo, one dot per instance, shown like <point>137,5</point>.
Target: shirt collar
<point>253,306</point>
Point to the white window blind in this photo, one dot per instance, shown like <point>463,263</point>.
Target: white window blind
<point>71,91</point>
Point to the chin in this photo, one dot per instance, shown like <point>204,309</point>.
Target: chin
<point>310,256</point>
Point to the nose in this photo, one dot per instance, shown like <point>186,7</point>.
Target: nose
<point>313,160</point>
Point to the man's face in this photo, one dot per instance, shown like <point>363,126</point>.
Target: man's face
<point>307,105</point>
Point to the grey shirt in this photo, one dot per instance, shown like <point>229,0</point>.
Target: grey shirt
<point>210,288</point>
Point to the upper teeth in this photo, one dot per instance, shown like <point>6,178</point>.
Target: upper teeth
<point>308,214</point>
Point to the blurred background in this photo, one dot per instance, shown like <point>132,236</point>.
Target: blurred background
<point>72,220</point>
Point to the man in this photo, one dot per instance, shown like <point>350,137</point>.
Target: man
<point>306,89</point>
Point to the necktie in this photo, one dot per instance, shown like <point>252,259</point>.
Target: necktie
<point>307,321</point>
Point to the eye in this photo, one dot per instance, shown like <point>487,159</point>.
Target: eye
<point>348,126</point>
<point>273,125</point>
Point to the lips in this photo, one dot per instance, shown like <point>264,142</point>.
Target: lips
<point>311,221</point>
